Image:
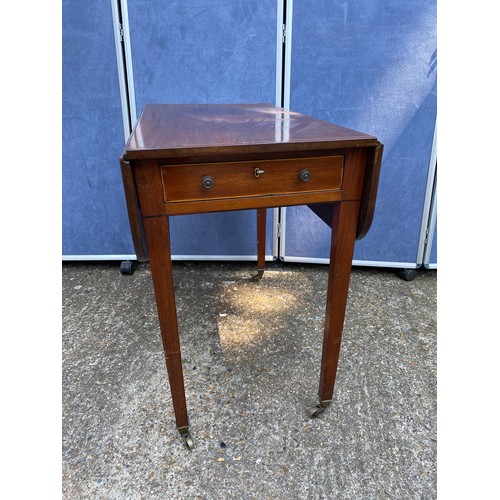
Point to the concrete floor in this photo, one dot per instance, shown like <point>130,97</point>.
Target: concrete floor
<point>251,354</point>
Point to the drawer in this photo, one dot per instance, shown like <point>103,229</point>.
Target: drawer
<point>210,181</point>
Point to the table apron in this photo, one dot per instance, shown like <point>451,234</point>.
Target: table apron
<point>246,203</point>
<point>346,185</point>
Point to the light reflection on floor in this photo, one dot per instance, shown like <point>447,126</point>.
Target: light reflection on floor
<point>255,314</point>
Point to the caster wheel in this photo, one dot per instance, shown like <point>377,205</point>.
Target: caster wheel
<point>127,267</point>
<point>188,441</point>
<point>258,276</point>
<point>319,409</point>
<point>316,411</point>
<point>407,274</point>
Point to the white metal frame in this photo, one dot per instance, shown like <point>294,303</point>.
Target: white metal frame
<point>121,68</point>
<point>365,263</point>
<point>279,48</point>
<point>283,74</point>
<point>285,89</point>
<point>430,234</point>
<point>125,76</point>
<point>99,257</point>
<point>128,60</point>
<point>429,195</point>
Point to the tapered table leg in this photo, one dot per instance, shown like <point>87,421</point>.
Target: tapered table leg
<point>158,241</point>
<point>261,241</point>
<point>344,223</point>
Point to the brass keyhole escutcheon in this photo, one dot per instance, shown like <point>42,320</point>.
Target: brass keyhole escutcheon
<point>258,172</point>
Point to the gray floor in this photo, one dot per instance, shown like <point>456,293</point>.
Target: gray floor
<point>251,355</point>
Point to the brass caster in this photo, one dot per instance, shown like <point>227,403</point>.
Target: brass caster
<point>258,276</point>
<point>316,411</point>
<point>188,440</point>
<point>319,409</point>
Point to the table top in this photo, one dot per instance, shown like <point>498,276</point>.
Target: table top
<point>180,130</point>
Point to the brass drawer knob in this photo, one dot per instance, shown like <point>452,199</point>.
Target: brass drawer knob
<point>305,175</point>
<point>207,182</point>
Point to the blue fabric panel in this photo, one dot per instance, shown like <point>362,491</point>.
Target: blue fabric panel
<point>94,215</point>
<point>206,51</point>
<point>203,51</point>
<point>213,234</point>
<point>371,65</point>
<point>306,234</point>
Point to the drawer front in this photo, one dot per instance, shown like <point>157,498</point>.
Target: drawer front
<point>210,181</point>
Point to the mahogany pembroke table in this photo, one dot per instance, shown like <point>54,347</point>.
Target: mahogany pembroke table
<point>186,159</point>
